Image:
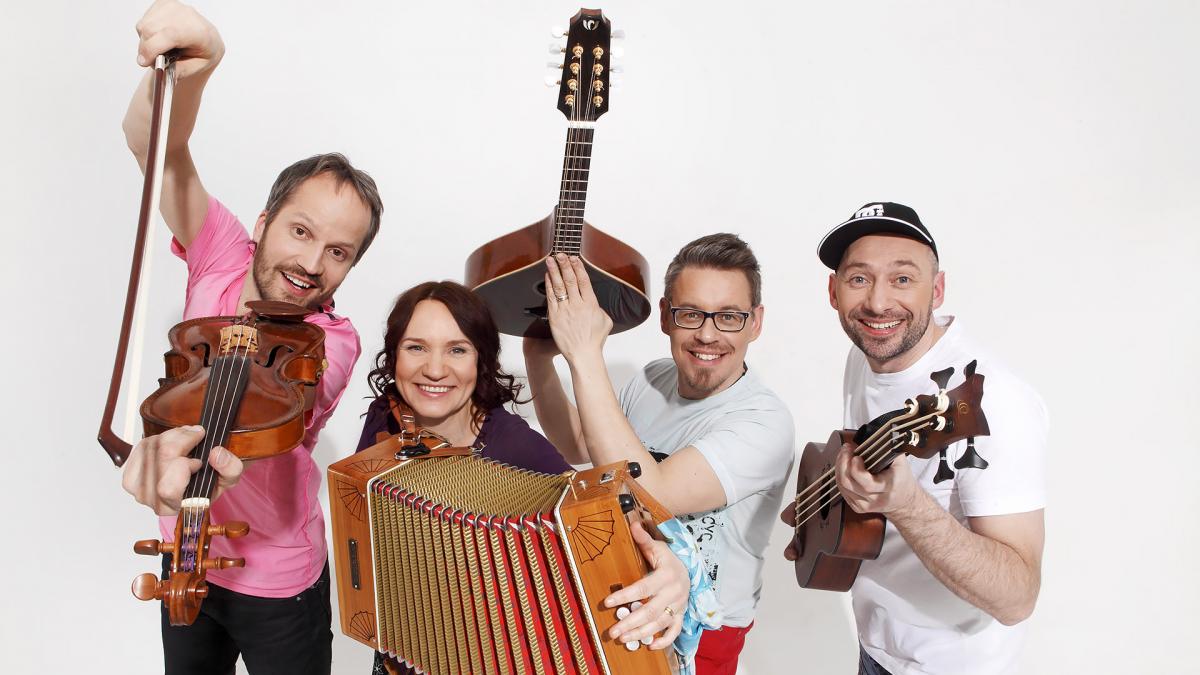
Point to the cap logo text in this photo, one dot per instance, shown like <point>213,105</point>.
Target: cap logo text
<point>869,211</point>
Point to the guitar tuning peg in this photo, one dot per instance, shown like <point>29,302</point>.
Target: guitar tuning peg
<point>557,48</point>
<point>552,80</point>
<point>554,65</point>
<point>617,52</point>
<point>615,81</point>
<point>557,31</point>
<point>618,34</point>
<point>616,69</point>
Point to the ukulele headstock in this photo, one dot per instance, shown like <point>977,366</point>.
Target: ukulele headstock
<point>584,89</point>
<point>957,413</point>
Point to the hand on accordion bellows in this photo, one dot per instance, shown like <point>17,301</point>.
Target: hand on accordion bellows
<point>158,469</point>
<point>667,586</point>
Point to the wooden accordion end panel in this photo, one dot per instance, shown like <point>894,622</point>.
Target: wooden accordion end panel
<point>463,565</point>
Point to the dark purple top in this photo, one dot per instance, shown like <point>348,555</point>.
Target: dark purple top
<point>505,437</point>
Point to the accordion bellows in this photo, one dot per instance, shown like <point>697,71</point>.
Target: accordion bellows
<point>462,565</point>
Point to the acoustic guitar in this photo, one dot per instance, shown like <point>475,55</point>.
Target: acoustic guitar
<point>832,540</point>
<point>509,272</point>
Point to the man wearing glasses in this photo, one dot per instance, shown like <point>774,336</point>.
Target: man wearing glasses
<point>715,444</point>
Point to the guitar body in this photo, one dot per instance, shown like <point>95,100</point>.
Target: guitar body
<point>832,544</point>
<point>510,272</point>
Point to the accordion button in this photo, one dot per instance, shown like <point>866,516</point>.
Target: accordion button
<point>622,612</point>
<point>635,605</point>
<point>647,640</point>
<point>632,645</point>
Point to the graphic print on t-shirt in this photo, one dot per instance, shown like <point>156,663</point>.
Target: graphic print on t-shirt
<point>705,528</point>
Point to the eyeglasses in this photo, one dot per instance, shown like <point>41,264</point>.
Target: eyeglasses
<point>726,320</point>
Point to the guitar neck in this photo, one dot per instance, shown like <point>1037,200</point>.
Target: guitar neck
<point>572,193</point>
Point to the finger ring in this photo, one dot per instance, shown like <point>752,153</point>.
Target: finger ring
<point>560,298</point>
<point>670,612</point>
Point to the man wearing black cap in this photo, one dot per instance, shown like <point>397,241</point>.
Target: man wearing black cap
<point>961,561</point>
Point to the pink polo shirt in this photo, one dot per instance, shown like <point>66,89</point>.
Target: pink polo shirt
<point>277,496</point>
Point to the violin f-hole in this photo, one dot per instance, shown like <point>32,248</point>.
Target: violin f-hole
<point>271,357</point>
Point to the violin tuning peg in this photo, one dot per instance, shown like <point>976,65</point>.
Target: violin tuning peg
<point>152,547</point>
<point>223,563</point>
<point>147,587</point>
<point>232,529</point>
<point>942,378</point>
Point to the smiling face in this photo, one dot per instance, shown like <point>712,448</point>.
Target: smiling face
<point>436,370</point>
<point>885,291</point>
<point>709,360</point>
<point>306,251</point>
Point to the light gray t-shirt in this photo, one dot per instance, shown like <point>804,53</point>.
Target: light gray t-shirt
<point>746,434</point>
<point>907,620</point>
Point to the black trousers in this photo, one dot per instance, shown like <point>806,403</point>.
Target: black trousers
<point>273,635</point>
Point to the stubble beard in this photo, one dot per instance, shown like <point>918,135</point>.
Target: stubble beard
<point>263,274</point>
<point>914,329</point>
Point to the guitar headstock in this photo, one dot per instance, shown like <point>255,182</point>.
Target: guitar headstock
<point>584,90</point>
<point>962,413</point>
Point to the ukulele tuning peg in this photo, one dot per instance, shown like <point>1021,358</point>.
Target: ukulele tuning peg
<point>970,458</point>
<point>942,378</point>
<point>943,473</point>
<point>147,587</point>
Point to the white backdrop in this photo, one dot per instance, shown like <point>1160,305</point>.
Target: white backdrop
<point>1051,147</point>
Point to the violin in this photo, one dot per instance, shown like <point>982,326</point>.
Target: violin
<point>509,272</point>
<point>831,540</point>
<point>247,380</point>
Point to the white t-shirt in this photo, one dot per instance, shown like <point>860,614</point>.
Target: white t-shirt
<point>746,434</point>
<point>907,620</point>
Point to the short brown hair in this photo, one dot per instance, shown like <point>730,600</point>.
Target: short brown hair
<point>722,251</point>
<point>343,172</point>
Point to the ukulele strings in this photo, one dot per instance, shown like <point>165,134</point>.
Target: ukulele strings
<point>873,456</point>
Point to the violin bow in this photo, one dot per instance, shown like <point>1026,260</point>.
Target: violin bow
<point>133,320</point>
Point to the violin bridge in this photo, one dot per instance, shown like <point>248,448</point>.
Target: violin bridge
<point>238,338</point>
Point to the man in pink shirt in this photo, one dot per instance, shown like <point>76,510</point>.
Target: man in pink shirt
<point>319,219</point>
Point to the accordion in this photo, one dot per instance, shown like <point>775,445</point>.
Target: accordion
<point>457,564</point>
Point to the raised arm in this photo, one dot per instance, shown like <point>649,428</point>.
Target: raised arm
<point>557,416</point>
<point>170,25</point>
<point>685,482</point>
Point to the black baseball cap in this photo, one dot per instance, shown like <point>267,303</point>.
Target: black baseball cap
<point>872,218</point>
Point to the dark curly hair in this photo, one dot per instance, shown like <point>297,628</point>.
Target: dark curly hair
<point>493,386</point>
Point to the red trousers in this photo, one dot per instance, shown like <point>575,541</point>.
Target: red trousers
<point>719,650</point>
